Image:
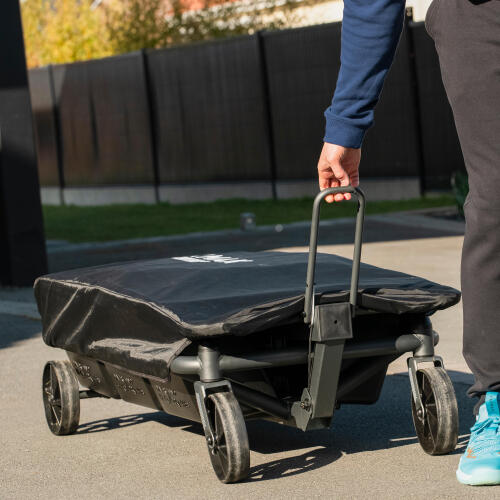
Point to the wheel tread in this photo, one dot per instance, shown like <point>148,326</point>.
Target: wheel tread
<point>237,447</point>
<point>62,373</point>
<point>436,380</point>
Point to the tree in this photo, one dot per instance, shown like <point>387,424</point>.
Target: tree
<point>220,19</point>
<point>136,24</point>
<point>139,24</point>
<point>59,31</point>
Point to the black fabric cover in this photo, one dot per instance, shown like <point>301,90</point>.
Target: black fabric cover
<point>142,314</point>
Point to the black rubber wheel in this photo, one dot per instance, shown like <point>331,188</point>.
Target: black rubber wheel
<point>230,454</point>
<point>437,432</point>
<point>61,397</point>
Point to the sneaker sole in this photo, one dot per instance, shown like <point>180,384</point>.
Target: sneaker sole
<point>481,477</point>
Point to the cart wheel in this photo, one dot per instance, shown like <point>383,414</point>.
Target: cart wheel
<point>437,432</point>
<point>61,397</point>
<point>230,454</point>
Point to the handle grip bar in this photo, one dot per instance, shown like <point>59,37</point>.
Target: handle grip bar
<point>313,248</point>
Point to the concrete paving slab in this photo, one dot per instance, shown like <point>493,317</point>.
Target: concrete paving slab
<point>123,451</point>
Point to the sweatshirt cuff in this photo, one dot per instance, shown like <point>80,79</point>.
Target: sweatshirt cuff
<point>341,132</point>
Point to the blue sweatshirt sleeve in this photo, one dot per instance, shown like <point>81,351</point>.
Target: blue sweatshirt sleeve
<point>370,33</point>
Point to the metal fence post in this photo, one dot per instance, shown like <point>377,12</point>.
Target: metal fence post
<point>415,98</point>
<point>268,117</point>
<point>57,138</point>
<point>152,126</point>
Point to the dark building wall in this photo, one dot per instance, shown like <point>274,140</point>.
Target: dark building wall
<point>22,243</point>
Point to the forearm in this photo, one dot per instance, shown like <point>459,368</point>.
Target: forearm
<point>370,33</point>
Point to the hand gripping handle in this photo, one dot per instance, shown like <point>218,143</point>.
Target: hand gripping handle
<point>313,248</point>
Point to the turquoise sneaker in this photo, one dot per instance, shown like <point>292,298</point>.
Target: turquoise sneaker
<point>480,464</point>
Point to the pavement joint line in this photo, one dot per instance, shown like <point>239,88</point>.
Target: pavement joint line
<point>15,308</point>
<point>411,218</point>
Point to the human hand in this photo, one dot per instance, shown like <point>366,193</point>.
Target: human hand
<point>338,166</point>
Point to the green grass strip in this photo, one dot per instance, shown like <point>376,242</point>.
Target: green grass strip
<point>117,222</point>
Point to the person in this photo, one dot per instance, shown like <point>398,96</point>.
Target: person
<point>466,34</point>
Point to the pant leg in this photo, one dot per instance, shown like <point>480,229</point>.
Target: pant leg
<point>467,38</point>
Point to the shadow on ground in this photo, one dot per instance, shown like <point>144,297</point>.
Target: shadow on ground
<point>355,429</point>
<point>109,424</point>
<point>15,329</point>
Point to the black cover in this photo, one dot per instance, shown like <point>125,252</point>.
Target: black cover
<point>141,314</point>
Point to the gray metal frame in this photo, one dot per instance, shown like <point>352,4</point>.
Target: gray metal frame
<point>423,354</point>
<point>202,390</point>
<point>315,408</point>
<point>313,248</point>
<point>330,327</point>
<point>413,363</point>
<point>223,363</point>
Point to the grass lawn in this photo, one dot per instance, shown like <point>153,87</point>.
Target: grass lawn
<point>116,222</point>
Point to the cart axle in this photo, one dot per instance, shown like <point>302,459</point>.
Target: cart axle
<point>194,365</point>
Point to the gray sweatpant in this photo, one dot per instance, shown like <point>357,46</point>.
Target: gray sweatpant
<point>467,38</point>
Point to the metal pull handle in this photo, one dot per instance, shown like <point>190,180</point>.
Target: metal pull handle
<point>313,248</point>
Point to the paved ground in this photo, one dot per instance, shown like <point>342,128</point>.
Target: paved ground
<point>125,451</point>
<point>378,228</point>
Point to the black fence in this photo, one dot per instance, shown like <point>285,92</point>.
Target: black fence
<point>208,107</point>
<point>249,108</point>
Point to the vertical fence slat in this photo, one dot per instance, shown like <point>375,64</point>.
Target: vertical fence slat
<point>267,110</point>
<point>209,105</point>
<point>302,67</point>
<point>104,122</point>
<point>441,147</point>
<point>153,125</point>
<point>46,136</point>
<point>415,94</point>
<point>57,136</point>
<point>390,148</point>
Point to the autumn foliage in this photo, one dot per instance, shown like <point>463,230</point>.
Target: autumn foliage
<point>57,31</point>
<point>60,31</point>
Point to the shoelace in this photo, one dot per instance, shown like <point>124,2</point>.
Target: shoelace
<point>486,436</point>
